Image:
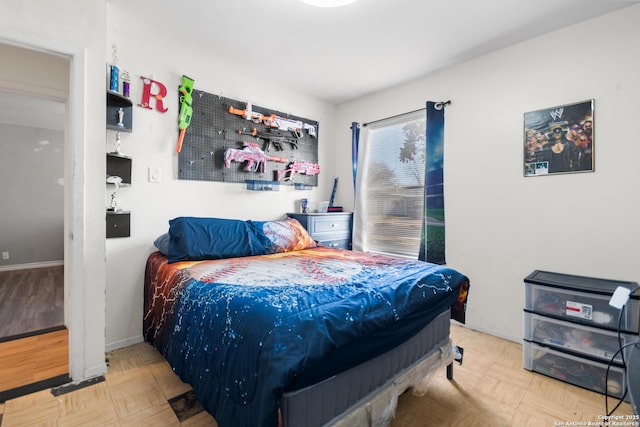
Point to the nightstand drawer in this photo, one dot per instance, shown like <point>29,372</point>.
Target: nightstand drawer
<point>328,224</point>
<point>338,244</point>
<point>329,229</point>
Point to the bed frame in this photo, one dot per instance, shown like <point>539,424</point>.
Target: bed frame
<point>367,394</point>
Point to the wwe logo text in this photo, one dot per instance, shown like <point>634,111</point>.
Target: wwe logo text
<point>556,114</point>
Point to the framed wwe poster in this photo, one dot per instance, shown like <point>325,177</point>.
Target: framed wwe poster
<point>559,140</point>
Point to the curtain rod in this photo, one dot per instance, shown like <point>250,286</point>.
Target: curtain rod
<point>438,106</point>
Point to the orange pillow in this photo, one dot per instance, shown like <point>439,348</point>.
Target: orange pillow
<point>287,235</point>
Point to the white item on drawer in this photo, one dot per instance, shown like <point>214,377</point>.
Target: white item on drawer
<point>620,297</point>
<point>579,310</point>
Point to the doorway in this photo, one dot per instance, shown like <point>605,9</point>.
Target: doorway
<point>33,335</point>
<point>32,224</point>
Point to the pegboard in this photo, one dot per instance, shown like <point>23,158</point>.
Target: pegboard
<point>214,129</point>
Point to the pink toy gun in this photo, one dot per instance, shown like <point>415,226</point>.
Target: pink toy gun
<point>252,155</point>
<point>305,168</point>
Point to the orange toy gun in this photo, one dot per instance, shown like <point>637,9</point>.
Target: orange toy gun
<point>249,114</point>
<point>273,121</point>
<point>184,120</point>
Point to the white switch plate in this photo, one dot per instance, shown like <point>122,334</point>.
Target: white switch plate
<point>154,174</point>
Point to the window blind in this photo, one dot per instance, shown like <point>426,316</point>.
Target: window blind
<point>390,185</point>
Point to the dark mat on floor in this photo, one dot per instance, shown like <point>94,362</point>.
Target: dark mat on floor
<point>185,405</point>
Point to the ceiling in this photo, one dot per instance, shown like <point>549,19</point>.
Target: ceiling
<point>338,54</point>
<point>331,54</point>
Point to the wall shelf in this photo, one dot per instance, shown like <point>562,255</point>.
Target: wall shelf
<point>119,118</point>
<point>116,102</point>
<point>119,165</point>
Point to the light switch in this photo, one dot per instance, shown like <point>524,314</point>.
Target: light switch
<point>154,174</point>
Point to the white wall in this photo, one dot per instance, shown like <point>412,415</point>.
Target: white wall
<point>32,85</point>
<point>152,144</point>
<point>500,225</point>
<point>31,163</point>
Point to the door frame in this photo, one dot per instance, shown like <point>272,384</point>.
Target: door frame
<point>74,197</point>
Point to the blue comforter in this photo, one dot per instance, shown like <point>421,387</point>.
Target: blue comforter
<point>239,330</point>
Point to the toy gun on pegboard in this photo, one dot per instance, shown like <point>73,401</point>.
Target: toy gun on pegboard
<point>275,138</point>
<point>274,121</point>
<point>184,120</point>
<point>305,168</point>
<point>253,157</point>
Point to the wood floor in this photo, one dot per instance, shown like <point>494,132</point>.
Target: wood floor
<point>31,300</point>
<point>490,389</point>
<point>34,345</point>
<point>33,359</point>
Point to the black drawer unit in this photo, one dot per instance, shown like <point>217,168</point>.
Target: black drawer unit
<point>118,224</point>
<point>571,331</point>
<point>329,229</point>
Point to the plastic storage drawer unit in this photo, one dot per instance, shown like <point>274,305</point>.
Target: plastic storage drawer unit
<point>575,370</point>
<point>585,340</point>
<point>579,299</point>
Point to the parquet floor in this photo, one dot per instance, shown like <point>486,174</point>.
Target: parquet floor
<point>490,389</point>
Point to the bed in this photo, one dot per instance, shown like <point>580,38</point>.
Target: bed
<point>271,329</point>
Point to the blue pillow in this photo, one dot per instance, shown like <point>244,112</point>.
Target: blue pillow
<point>162,243</point>
<point>194,239</point>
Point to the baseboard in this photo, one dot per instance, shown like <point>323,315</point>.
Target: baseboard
<point>31,265</point>
<point>492,332</point>
<point>32,333</point>
<point>124,343</point>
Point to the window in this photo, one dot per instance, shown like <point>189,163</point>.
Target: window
<point>390,185</point>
